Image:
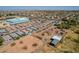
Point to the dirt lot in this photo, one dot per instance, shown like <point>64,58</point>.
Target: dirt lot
<point>25,44</point>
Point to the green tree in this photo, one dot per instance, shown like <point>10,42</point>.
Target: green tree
<point>18,37</point>
<point>64,25</point>
<point>1,41</point>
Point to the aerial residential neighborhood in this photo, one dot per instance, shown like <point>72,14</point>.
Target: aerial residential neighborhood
<point>39,31</point>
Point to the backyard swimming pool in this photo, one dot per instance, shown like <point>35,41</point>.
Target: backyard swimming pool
<point>17,20</point>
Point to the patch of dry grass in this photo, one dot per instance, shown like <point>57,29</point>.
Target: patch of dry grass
<point>69,44</point>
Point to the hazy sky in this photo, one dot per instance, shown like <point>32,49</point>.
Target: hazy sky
<point>39,7</point>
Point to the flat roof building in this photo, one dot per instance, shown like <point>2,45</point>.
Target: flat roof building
<point>17,20</point>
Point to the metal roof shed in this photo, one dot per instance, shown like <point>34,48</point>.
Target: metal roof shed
<point>7,38</point>
<point>55,39</point>
<point>14,35</point>
<point>2,30</point>
<point>20,33</point>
